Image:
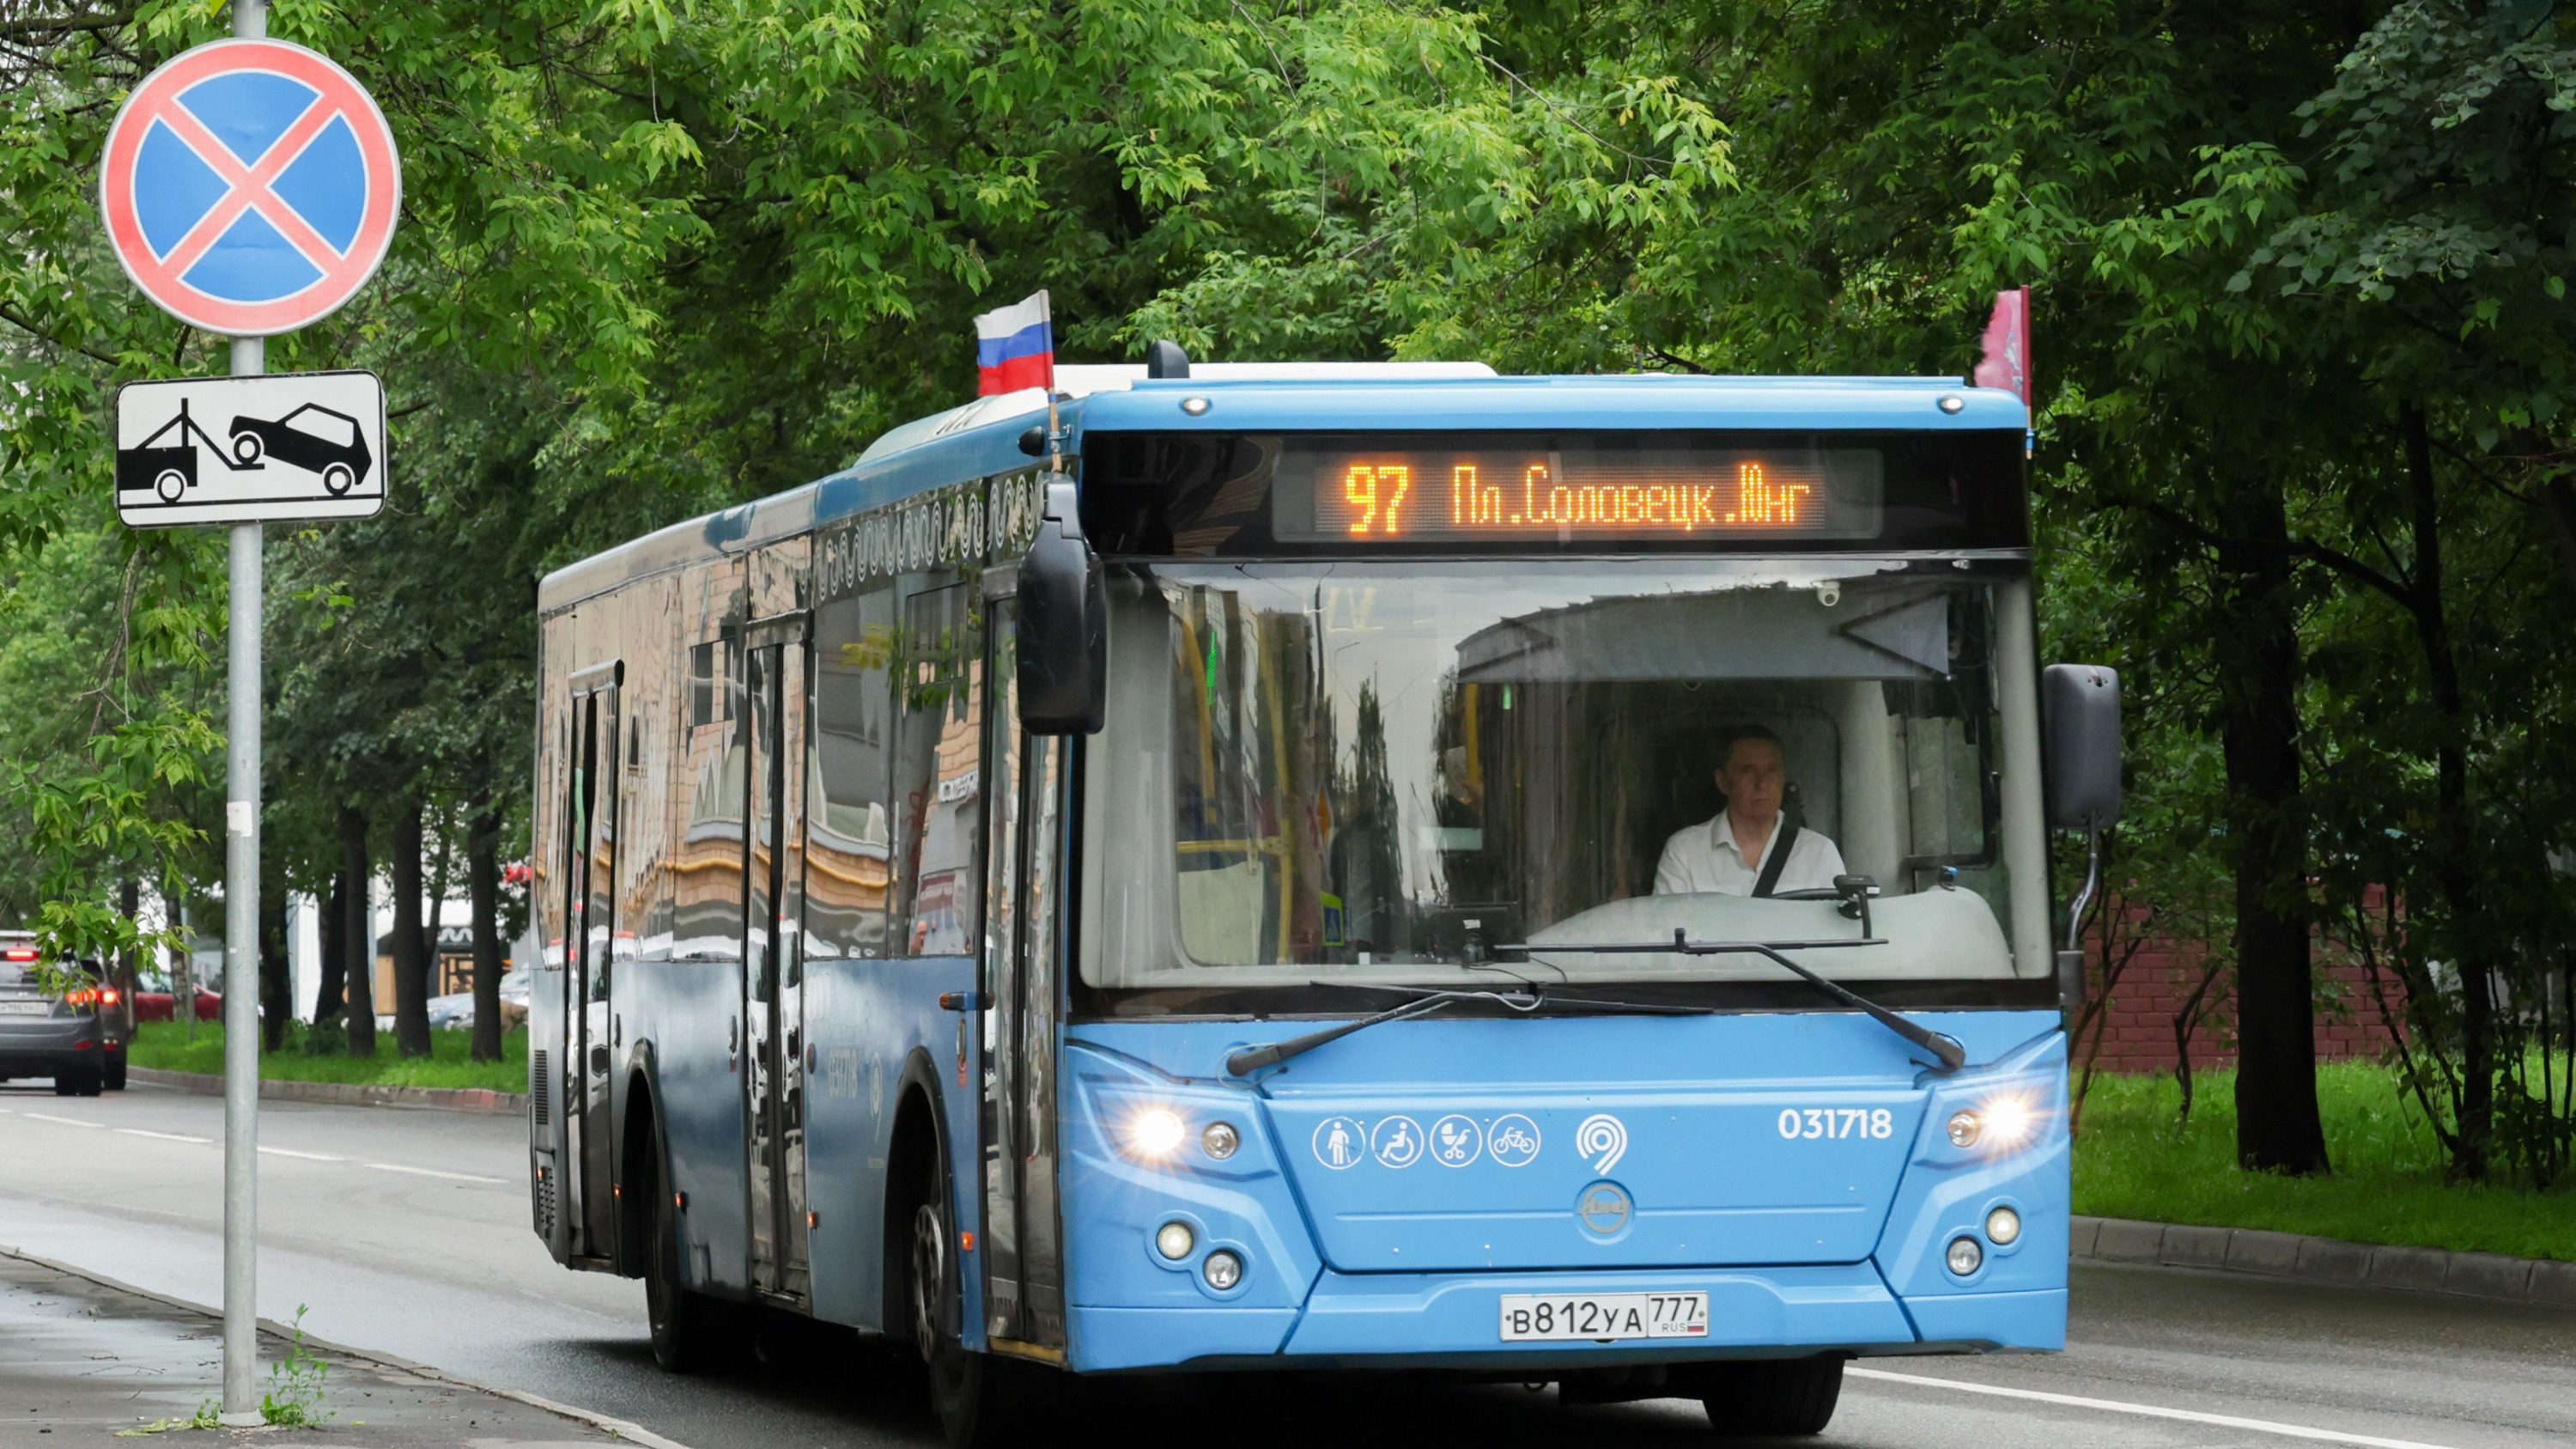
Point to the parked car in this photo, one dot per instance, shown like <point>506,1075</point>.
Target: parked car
<point>47,1030</point>
<point>156,1000</point>
<point>452,1013</point>
<point>456,1012</point>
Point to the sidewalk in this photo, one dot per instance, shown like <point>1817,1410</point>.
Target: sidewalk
<point>80,1361</point>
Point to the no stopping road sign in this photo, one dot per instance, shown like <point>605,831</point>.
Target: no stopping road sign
<point>250,187</point>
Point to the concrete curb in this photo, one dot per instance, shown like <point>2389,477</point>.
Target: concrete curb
<point>2541,1282</point>
<point>616,1428</point>
<point>347,1094</point>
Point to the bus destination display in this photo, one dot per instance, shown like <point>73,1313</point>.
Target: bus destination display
<point>1365,496</point>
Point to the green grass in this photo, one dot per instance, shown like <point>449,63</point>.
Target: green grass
<point>2387,1185</point>
<point>165,1045</point>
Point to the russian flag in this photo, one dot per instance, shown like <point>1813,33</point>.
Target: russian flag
<point>1015,347</point>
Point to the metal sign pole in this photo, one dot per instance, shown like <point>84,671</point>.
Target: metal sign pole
<point>241,923</point>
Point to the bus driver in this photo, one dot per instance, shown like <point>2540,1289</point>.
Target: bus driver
<point>1727,853</point>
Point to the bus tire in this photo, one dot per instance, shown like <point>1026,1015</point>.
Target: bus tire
<point>1769,1398</point>
<point>973,1393</point>
<point>683,1323</point>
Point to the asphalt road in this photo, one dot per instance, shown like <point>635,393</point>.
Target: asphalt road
<point>408,1232</point>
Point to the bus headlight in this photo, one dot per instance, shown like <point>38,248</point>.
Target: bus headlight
<point>1220,1139</point>
<point>1965,1257</point>
<point>1998,1122</point>
<point>2008,1120</point>
<point>1223,1270</point>
<point>2003,1225</point>
<point>1155,1132</point>
<point>1174,1241</point>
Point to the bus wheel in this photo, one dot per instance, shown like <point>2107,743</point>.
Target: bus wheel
<point>972,1392</point>
<point>683,1322</point>
<point>1771,1397</point>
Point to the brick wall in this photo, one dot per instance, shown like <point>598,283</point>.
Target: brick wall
<point>2139,1035</point>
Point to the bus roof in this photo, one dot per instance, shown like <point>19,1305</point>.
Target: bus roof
<point>981,438</point>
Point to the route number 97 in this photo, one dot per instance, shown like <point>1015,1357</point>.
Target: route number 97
<point>1796,1122</point>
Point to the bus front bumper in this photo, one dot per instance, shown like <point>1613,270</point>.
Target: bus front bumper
<point>1452,1320</point>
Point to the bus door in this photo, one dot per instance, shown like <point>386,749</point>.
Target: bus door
<point>1024,1271</point>
<point>590,882</point>
<point>772,975</point>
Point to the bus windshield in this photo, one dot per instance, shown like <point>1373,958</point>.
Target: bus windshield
<point>1387,772</point>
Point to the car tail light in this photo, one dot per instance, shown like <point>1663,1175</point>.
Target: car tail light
<point>80,998</point>
<point>18,953</point>
<point>109,997</point>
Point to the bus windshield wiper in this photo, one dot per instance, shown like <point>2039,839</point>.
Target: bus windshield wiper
<point>1252,1059</point>
<point>1952,1055</point>
<point>1549,998</point>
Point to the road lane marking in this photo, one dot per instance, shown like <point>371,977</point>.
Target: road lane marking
<point>277,1151</point>
<point>434,1172</point>
<point>2151,1411</point>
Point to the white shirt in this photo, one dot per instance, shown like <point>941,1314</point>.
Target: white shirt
<point>1703,858</point>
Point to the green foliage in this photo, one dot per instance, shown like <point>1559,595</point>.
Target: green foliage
<point>2300,280</point>
<point>293,1396</point>
<point>2390,1183</point>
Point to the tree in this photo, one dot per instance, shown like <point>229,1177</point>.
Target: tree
<point>1891,168</point>
<point>2427,234</point>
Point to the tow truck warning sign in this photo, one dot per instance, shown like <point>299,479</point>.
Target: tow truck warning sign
<point>298,445</point>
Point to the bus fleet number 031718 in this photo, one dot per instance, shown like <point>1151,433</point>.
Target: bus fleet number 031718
<point>1836,1122</point>
<point>1604,1316</point>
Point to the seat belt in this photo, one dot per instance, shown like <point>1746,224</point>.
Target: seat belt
<point>1793,818</point>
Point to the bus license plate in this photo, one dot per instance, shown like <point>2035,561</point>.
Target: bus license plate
<point>1596,1316</point>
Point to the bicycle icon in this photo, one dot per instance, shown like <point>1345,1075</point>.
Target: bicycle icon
<point>1513,1140</point>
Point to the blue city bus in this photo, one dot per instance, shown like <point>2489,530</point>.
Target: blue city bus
<point>1229,867</point>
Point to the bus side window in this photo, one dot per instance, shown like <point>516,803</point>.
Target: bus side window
<point>706,908</point>
<point>938,776</point>
<point>849,836</point>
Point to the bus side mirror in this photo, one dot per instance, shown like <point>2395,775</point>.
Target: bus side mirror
<point>1064,625</point>
<point>2079,709</point>
<point>2079,712</point>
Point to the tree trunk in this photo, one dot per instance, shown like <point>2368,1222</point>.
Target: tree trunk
<point>129,903</point>
<point>483,881</point>
<point>327,1002</point>
<point>2277,1127</point>
<point>411,975</point>
<point>2459,876</point>
<point>438,884</point>
<point>355,875</point>
<point>276,986</point>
